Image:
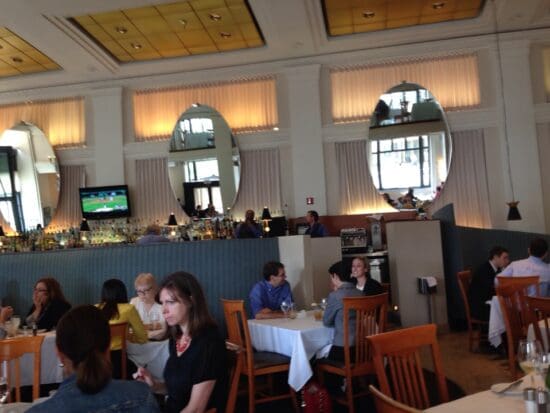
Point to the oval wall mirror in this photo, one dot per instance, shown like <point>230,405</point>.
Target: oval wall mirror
<point>29,178</point>
<point>409,147</point>
<point>204,162</point>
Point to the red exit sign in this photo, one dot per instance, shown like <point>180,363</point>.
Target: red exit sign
<point>310,200</point>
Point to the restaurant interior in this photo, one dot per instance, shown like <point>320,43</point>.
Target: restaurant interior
<point>417,130</point>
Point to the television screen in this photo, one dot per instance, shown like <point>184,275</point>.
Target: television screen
<point>105,202</point>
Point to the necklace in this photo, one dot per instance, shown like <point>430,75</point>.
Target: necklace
<point>182,344</point>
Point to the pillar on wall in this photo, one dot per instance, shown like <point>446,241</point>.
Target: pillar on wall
<point>522,136</point>
<point>106,130</point>
<point>306,143</point>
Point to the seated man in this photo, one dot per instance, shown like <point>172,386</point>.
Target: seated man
<point>532,265</point>
<point>152,236</point>
<point>482,287</point>
<point>316,229</point>
<point>267,295</point>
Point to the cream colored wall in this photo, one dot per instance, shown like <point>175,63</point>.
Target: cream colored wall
<point>307,137</point>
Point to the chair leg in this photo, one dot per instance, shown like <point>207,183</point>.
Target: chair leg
<point>349,394</point>
<point>251,393</point>
<point>294,400</point>
<point>234,389</point>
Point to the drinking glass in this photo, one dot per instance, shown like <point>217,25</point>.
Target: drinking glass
<point>4,393</point>
<point>154,321</point>
<point>541,366</point>
<point>529,352</point>
<point>285,307</point>
<point>16,322</point>
<point>324,304</point>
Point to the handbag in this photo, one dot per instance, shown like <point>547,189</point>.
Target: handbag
<point>316,398</point>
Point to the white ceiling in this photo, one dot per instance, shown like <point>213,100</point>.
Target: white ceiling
<point>291,28</point>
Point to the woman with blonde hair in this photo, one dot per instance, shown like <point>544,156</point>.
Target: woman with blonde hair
<point>364,282</point>
<point>149,310</point>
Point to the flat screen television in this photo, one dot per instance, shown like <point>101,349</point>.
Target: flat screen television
<point>105,202</point>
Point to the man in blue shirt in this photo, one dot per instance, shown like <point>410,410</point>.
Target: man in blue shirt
<point>267,295</point>
<point>316,229</point>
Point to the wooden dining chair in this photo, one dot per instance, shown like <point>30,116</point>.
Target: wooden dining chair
<point>252,363</point>
<point>121,330</point>
<point>399,350</point>
<point>516,317</point>
<point>539,309</point>
<point>385,404</point>
<point>475,326</point>
<point>15,348</point>
<point>526,282</point>
<point>370,318</point>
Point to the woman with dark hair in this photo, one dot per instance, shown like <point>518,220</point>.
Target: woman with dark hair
<point>49,304</point>
<point>195,372</point>
<point>364,282</point>
<point>115,307</point>
<point>82,340</point>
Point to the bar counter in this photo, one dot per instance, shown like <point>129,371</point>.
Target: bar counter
<point>225,268</point>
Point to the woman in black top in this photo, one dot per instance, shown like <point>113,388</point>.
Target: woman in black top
<point>360,271</point>
<point>49,304</point>
<point>195,375</point>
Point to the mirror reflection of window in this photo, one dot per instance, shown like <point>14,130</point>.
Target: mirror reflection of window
<point>194,133</point>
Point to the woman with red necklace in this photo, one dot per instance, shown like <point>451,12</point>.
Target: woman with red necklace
<point>195,373</point>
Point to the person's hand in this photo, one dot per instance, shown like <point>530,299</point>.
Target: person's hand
<point>5,313</point>
<point>143,375</point>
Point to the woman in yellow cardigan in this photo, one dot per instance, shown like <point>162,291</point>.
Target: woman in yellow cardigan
<point>115,308</point>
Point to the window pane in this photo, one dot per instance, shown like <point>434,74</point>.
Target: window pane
<point>217,199</point>
<point>424,141</point>
<point>385,145</point>
<point>400,169</point>
<point>398,143</point>
<point>207,170</point>
<point>201,197</point>
<point>374,146</point>
<point>412,142</point>
<point>426,168</point>
<point>374,171</point>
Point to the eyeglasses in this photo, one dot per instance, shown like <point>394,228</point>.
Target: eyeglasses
<point>143,292</point>
<point>40,290</point>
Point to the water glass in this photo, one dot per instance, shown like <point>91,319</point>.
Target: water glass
<point>154,318</point>
<point>324,304</point>
<point>4,392</point>
<point>529,352</point>
<point>285,307</point>
<point>16,321</point>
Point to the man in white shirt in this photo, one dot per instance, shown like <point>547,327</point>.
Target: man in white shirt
<point>533,265</point>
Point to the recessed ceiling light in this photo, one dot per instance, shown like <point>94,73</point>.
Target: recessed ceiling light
<point>275,128</point>
<point>225,35</point>
<point>195,105</point>
<point>183,22</point>
<point>439,5</point>
<point>215,17</point>
<point>136,46</point>
<point>121,30</point>
<point>16,59</point>
<point>368,14</point>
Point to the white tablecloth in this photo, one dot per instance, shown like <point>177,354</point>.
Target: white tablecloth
<point>496,323</point>
<point>15,407</point>
<point>152,354</point>
<point>486,401</point>
<point>300,339</point>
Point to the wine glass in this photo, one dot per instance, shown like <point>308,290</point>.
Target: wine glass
<point>285,307</point>
<point>4,393</point>
<point>529,352</point>
<point>324,304</point>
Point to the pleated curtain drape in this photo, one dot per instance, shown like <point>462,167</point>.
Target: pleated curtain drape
<point>69,213</point>
<point>453,80</point>
<point>260,182</point>
<point>357,191</point>
<point>153,198</point>
<point>61,120</point>
<point>467,186</point>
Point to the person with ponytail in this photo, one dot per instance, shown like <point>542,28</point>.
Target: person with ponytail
<point>82,343</point>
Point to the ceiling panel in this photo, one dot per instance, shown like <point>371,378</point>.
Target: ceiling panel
<point>19,57</point>
<point>344,17</point>
<point>173,29</point>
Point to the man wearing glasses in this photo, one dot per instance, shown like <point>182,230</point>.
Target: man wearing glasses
<point>267,295</point>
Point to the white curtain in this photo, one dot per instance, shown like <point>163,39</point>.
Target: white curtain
<point>246,105</point>
<point>357,192</point>
<point>543,140</point>
<point>260,182</point>
<point>153,197</point>
<point>69,213</point>
<point>453,80</point>
<point>61,120</point>
<point>466,185</point>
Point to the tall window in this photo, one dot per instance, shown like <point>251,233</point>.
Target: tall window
<point>401,162</point>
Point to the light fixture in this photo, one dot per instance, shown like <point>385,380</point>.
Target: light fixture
<point>368,14</point>
<point>225,35</point>
<point>438,5</point>
<point>215,17</point>
<point>136,46</point>
<point>513,211</point>
<point>183,22</point>
<point>266,217</point>
<point>275,128</point>
<point>84,227</point>
<point>121,30</point>
<point>195,105</point>
<point>172,220</point>
<point>16,59</point>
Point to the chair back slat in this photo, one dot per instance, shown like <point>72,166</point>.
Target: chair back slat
<point>370,318</point>
<point>121,330</point>
<point>237,329</point>
<point>524,281</point>
<point>15,348</point>
<point>385,404</point>
<point>464,281</point>
<point>539,309</point>
<point>400,349</point>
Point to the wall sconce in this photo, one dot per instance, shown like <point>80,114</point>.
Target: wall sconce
<point>513,211</point>
<point>84,229</point>
<point>266,217</point>
<point>173,224</point>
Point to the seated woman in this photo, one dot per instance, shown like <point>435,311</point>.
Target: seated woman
<point>195,376</point>
<point>360,271</point>
<point>334,312</point>
<point>82,340</point>
<point>49,304</point>
<point>149,310</point>
<point>115,307</point>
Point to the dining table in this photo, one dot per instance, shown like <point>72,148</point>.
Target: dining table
<point>300,339</point>
<point>496,323</point>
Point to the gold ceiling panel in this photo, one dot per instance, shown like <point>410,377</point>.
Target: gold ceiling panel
<point>19,57</point>
<point>173,29</point>
<point>344,17</point>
